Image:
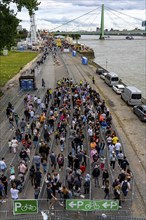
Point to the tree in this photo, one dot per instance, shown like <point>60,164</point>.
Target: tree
<point>31,5</point>
<point>8,20</point>
<point>8,25</point>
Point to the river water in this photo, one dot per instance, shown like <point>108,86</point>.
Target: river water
<point>127,58</point>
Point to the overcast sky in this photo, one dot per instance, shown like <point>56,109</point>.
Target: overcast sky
<point>119,14</point>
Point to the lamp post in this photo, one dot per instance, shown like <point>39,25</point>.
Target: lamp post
<point>106,63</point>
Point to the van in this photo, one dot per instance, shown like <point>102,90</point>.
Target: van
<point>131,95</point>
<point>111,79</point>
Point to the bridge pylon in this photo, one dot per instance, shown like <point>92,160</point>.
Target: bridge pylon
<point>102,24</point>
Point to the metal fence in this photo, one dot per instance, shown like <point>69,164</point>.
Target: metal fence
<point>61,216</point>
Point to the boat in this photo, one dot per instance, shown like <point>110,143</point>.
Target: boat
<point>129,38</point>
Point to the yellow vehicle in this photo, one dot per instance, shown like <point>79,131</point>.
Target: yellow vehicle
<point>58,42</point>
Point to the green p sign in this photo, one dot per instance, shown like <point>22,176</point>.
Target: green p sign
<point>91,205</point>
<point>25,207</point>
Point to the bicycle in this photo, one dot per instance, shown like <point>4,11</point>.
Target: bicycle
<point>28,207</point>
<point>92,206</point>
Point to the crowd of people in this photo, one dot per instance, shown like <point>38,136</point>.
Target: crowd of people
<point>83,114</point>
<point>80,125</point>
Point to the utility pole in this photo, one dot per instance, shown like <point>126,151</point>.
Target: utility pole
<point>102,24</point>
<point>106,63</point>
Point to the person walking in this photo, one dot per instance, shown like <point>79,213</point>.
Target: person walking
<point>113,160</point>
<point>53,159</point>
<point>3,165</point>
<point>1,192</point>
<point>14,192</point>
<point>107,189</point>
<point>60,161</point>
<point>93,80</point>
<point>5,183</point>
<point>43,83</point>
<point>96,174</point>
<point>50,197</point>
<point>31,174</point>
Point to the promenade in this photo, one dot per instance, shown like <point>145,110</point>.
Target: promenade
<point>125,123</point>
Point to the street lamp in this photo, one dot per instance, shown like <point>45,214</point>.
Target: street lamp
<point>106,63</point>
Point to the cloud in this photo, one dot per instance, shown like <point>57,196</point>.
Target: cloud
<point>54,13</point>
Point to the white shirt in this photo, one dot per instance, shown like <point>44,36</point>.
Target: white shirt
<point>31,113</point>
<point>111,148</point>
<point>117,146</point>
<point>90,132</point>
<point>14,193</point>
<point>2,165</point>
<point>14,143</point>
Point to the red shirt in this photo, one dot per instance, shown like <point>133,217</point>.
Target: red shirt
<point>82,168</point>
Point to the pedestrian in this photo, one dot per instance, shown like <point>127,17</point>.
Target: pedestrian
<point>96,174</point>
<point>70,160</point>
<point>37,177</point>
<point>105,177</point>
<point>10,146</point>
<point>5,183</point>
<point>14,192</point>
<point>107,189</point>
<point>44,164</point>
<point>53,160</point>
<point>31,174</point>
<point>36,191</point>
<point>22,125</point>
<point>2,193</point>
<point>120,157</point>
<point>124,163</point>
<point>35,140</point>
<point>93,80</point>
<point>3,165</point>
<point>102,162</point>
<point>125,187</point>
<point>60,161</point>
<point>43,83</point>
<point>37,160</point>
<point>14,145</point>
<point>66,194</point>
<point>113,160</point>
<point>16,119</point>
<point>12,169</point>
<point>50,197</point>
<point>117,194</point>
<point>11,122</point>
<point>87,184</point>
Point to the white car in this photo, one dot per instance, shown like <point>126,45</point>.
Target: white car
<point>118,88</point>
<point>102,76</point>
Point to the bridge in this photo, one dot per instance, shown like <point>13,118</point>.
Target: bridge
<point>113,15</point>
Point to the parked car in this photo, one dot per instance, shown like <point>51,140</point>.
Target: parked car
<point>140,111</point>
<point>118,88</point>
<point>103,75</point>
<point>99,71</point>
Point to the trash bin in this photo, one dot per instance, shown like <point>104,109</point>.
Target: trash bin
<point>5,52</point>
<point>84,60</point>
<point>74,53</point>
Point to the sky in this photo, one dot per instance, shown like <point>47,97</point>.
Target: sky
<point>55,15</point>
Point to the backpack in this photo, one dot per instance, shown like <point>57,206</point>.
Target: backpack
<point>124,186</point>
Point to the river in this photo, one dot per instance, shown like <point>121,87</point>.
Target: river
<point>127,58</point>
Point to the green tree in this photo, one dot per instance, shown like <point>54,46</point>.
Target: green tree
<point>8,26</point>
<point>31,5</point>
<point>8,20</point>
